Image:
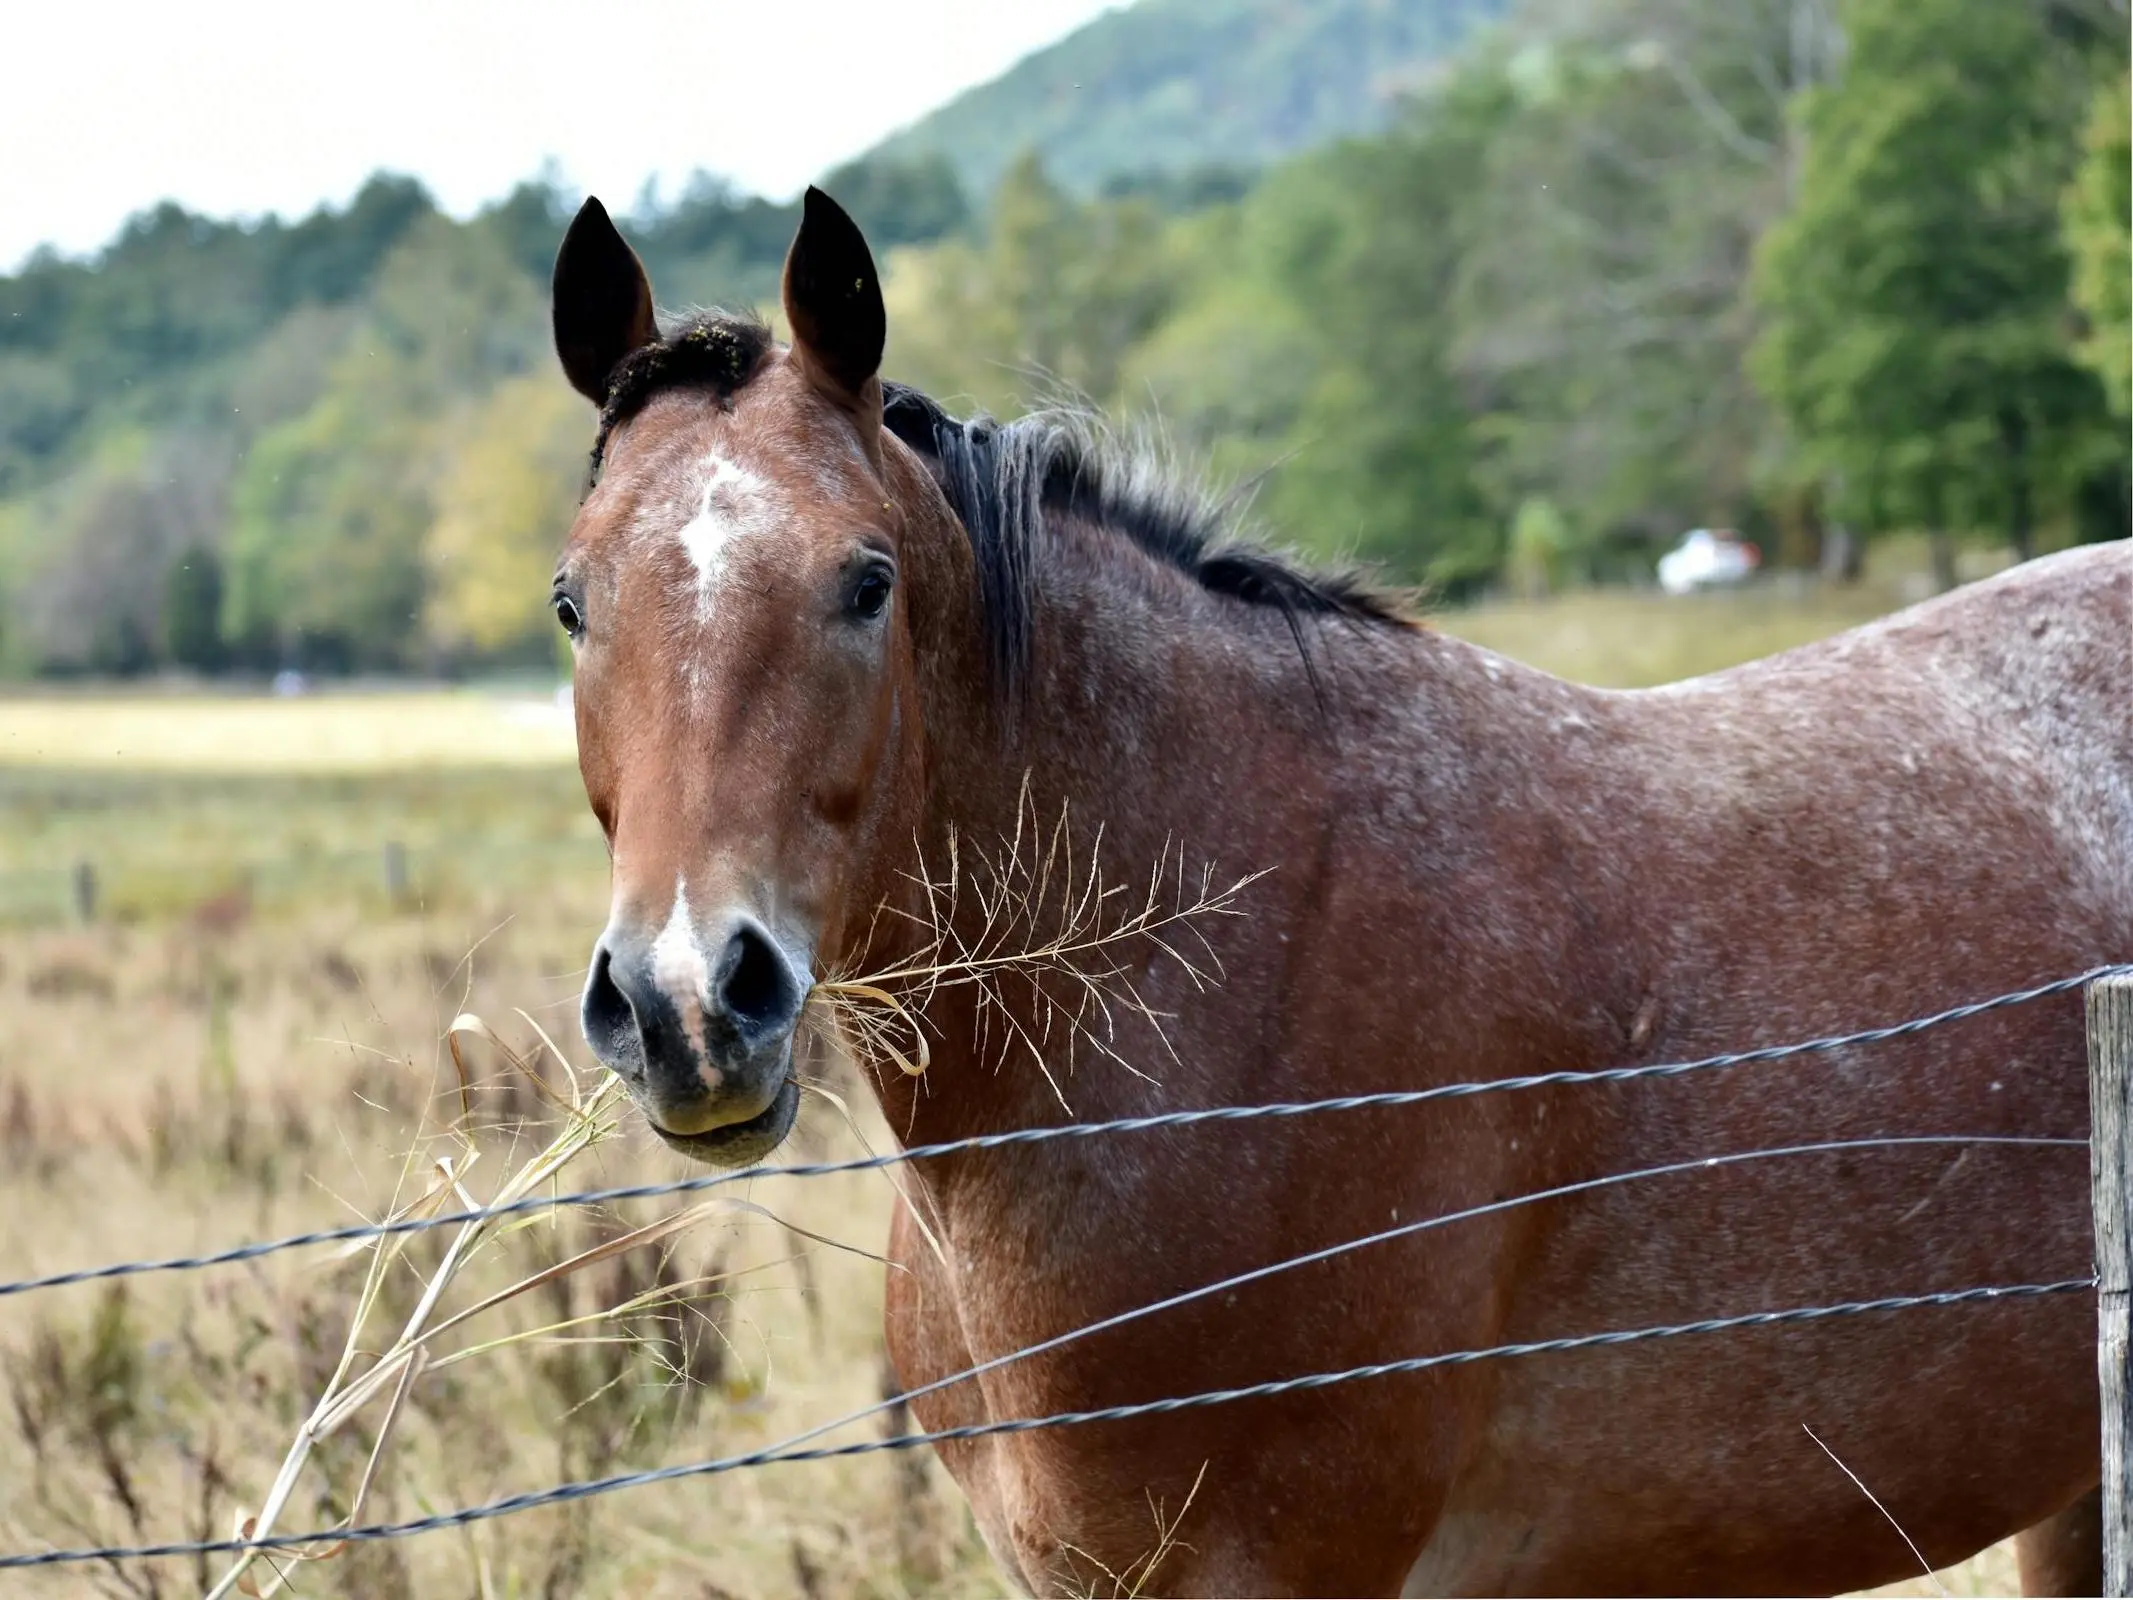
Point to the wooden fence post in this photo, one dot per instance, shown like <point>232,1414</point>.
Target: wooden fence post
<point>2110,1012</point>
<point>84,887</point>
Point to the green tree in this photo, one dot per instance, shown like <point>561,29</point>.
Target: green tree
<point>1599,314</point>
<point>344,359</point>
<point>1056,295</point>
<point>1540,547</point>
<point>2098,216</point>
<point>146,334</point>
<point>901,201</point>
<point>192,610</point>
<point>1370,240</point>
<point>503,504</point>
<point>1914,300</point>
<point>324,555</point>
<point>450,314</point>
<point>1228,372</point>
<point>92,596</point>
<point>324,562</point>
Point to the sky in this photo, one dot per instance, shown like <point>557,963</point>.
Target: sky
<point>240,108</point>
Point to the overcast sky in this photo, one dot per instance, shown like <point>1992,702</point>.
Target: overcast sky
<point>242,107</point>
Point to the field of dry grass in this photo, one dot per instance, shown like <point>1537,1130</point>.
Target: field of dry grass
<point>350,732</point>
<point>248,1039</point>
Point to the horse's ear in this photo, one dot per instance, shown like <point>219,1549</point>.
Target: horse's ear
<point>601,304</point>
<point>833,302</point>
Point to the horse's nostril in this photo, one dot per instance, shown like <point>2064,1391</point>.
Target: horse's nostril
<point>610,1022</point>
<point>758,991</point>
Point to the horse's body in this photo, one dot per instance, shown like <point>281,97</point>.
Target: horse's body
<point>1478,871</point>
<point>1485,872</point>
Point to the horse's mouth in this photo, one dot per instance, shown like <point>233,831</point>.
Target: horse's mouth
<point>741,1144</point>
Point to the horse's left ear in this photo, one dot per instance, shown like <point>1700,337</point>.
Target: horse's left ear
<point>833,303</point>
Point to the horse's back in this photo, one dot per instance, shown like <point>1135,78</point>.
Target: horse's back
<point>1986,732</point>
<point>2047,655</point>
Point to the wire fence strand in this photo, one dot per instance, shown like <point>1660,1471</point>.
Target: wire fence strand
<point>1427,1225</point>
<point>1072,1130</point>
<point>781,1453</point>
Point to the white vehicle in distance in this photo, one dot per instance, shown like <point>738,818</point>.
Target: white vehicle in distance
<point>1706,558</point>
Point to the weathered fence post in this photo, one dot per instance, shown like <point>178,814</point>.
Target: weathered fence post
<point>395,871</point>
<point>84,885</point>
<point>2110,1008</point>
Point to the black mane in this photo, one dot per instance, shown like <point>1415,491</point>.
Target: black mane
<point>1006,481</point>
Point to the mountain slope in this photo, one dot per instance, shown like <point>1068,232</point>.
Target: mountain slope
<point>1168,85</point>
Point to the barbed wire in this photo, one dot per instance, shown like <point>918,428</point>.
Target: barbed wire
<point>778,1454</point>
<point>1072,1130</point>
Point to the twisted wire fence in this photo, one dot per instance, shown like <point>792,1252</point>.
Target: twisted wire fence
<point>798,1447</point>
<point>785,1452</point>
<point>1066,1130</point>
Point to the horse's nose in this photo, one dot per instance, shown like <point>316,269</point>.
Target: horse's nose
<point>703,1041</point>
<point>608,1018</point>
<point>756,992</point>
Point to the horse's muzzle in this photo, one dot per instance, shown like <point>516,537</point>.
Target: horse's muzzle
<point>702,1040</point>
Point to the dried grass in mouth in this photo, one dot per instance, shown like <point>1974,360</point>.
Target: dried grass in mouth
<point>1053,933</point>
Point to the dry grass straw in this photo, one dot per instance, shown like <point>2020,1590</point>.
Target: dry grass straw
<point>1053,959</point>
<point>1133,1579</point>
<point>589,1116</point>
<point>1052,963</point>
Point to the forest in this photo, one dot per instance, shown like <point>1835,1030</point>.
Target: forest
<point>1818,270</point>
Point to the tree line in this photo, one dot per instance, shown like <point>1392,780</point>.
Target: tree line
<point>339,444</point>
<point>1816,269</point>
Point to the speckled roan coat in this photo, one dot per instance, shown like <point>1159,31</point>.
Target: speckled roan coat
<point>1478,870</point>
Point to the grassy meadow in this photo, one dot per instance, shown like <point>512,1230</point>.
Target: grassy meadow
<point>248,1036</point>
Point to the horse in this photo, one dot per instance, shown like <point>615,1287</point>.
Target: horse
<point>828,638</point>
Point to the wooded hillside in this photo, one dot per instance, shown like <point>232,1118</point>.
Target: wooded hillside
<point>1626,267</point>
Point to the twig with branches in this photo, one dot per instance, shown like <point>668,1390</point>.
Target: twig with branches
<point>1049,946</point>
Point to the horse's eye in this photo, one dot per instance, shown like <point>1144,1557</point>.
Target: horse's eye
<point>566,612</point>
<point>870,594</point>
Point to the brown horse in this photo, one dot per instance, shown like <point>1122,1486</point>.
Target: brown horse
<point>821,632</point>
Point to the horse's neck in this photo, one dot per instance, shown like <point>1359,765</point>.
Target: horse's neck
<point>1184,735</point>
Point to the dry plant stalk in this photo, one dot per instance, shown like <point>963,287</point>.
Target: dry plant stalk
<point>590,1116</point>
<point>1134,1579</point>
<point>1052,932</point>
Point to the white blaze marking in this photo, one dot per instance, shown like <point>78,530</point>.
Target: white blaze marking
<point>736,505</point>
<point>678,969</point>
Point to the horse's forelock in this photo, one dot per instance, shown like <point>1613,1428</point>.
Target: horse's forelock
<point>712,350</point>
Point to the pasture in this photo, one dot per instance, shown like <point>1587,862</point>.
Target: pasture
<point>247,1039</point>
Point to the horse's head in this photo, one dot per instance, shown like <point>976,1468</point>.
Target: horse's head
<point>743,651</point>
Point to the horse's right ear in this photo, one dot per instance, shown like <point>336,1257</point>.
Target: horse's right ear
<point>601,302</point>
